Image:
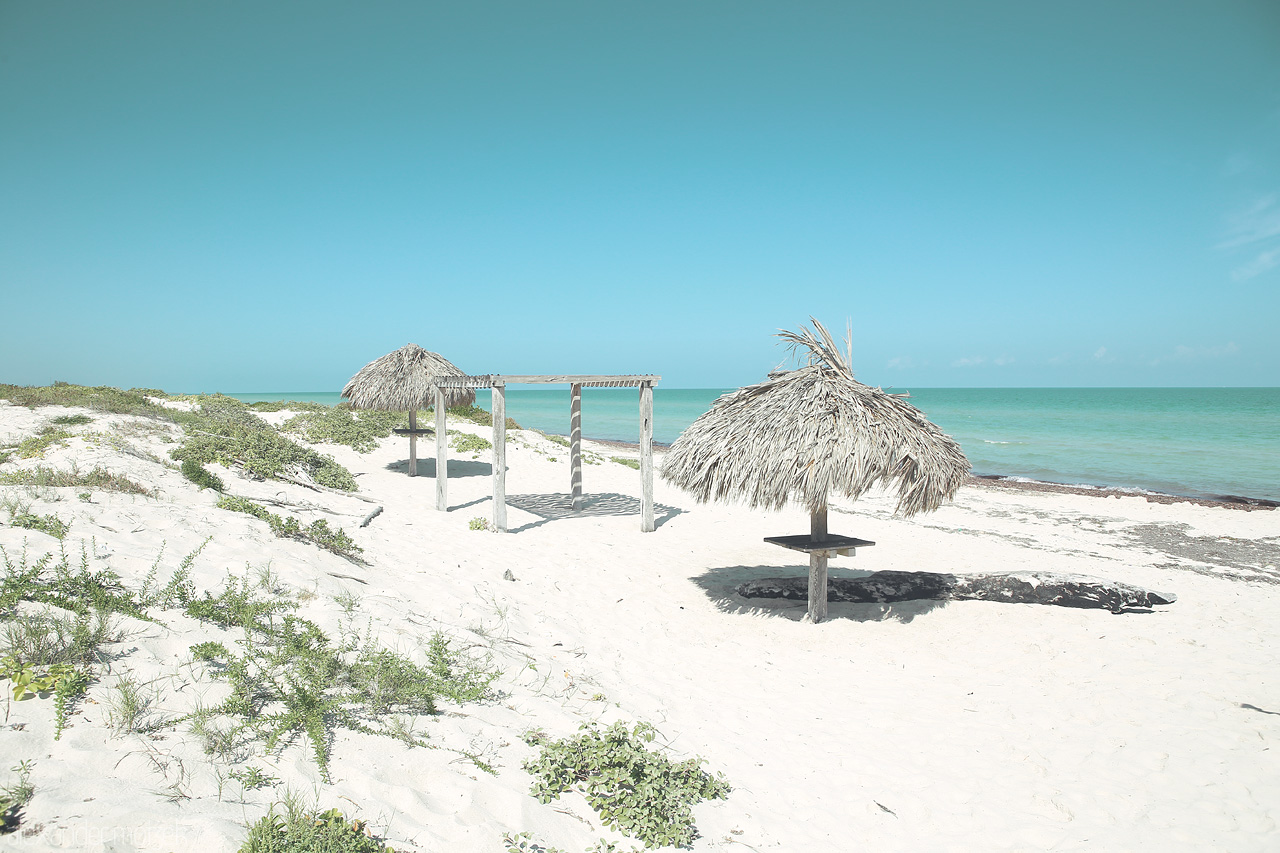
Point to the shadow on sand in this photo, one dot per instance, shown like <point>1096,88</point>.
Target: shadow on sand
<point>556,507</point>
<point>455,467</point>
<point>719,586</point>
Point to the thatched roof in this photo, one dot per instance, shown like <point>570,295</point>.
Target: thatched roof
<point>401,381</point>
<point>807,433</point>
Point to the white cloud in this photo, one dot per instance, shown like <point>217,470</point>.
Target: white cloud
<point>973,361</point>
<point>1257,266</point>
<point>902,362</point>
<point>1002,360</point>
<point>1183,354</point>
<point>1255,230</point>
<point>1100,353</point>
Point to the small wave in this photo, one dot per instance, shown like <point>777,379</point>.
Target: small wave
<point>989,441</point>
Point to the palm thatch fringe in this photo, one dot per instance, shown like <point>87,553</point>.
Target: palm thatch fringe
<point>401,381</point>
<point>807,433</point>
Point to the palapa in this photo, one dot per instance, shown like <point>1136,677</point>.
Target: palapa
<point>805,434</point>
<point>400,381</point>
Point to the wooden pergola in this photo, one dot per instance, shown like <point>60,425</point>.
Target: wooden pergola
<point>498,384</point>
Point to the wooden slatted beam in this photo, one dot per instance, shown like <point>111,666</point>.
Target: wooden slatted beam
<point>442,463</point>
<point>575,446</point>
<point>646,457</point>
<point>499,458</point>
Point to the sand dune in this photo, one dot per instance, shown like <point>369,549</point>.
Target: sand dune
<point>916,726</point>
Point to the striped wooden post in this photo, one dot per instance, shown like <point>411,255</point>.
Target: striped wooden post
<point>646,457</point>
<point>499,457</point>
<point>442,463</point>
<point>818,568</point>
<point>413,442</point>
<point>575,445</point>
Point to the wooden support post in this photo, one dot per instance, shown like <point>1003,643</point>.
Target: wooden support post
<point>575,446</point>
<point>818,568</point>
<point>499,407</point>
<point>646,457</point>
<point>413,443</point>
<point>442,463</point>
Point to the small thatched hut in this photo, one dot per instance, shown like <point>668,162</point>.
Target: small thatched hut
<point>401,381</point>
<point>807,433</point>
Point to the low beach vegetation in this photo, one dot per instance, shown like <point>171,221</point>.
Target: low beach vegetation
<point>34,447</point>
<point>636,791</point>
<point>359,430</point>
<point>304,830</point>
<point>196,473</point>
<point>72,420</point>
<point>101,398</point>
<point>14,796</point>
<point>286,405</point>
<point>43,476</point>
<point>465,442</point>
<point>226,431</point>
<point>51,524</point>
<point>476,415</point>
<point>290,680</point>
<point>317,532</point>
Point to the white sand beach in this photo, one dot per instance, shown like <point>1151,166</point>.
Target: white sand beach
<point>918,726</point>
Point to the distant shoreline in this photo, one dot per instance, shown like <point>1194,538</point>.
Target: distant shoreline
<point>1025,484</point>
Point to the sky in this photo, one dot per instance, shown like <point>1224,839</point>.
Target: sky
<point>250,196</point>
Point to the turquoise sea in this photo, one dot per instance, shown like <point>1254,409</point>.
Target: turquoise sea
<point>1184,441</point>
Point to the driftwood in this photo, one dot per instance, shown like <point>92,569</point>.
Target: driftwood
<point>371,516</point>
<point>1015,587</point>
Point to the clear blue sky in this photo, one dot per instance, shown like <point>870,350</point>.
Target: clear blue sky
<point>264,196</point>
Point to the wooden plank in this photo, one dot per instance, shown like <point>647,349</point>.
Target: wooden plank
<point>807,544</point>
<point>646,458</point>
<point>620,380</point>
<point>442,463</point>
<point>575,446</point>
<point>413,443</point>
<point>424,431</point>
<point>596,380</point>
<point>499,458</point>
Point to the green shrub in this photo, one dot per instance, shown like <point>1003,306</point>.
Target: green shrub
<point>322,832</point>
<point>51,524</point>
<point>196,473</point>
<point>630,463</point>
<point>36,445</point>
<point>358,430</point>
<point>98,478</point>
<point>318,532</point>
<point>291,405</point>
<point>292,680</point>
<point>14,797</point>
<point>73,420</point>
<point>57,583</point>
<point>101,399</point>
<point>556,439</point>
<point>227,432</point>
<point>635,791</point>
<point>465,442</point>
